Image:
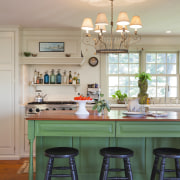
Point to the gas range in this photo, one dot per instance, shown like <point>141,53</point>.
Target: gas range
<point>35,107</point>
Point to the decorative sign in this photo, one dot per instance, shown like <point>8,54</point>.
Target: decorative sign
<point>51,46</point>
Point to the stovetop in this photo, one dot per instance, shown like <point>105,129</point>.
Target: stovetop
<point>53,102</point>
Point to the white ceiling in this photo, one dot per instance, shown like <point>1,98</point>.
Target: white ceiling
<point>157,16</point>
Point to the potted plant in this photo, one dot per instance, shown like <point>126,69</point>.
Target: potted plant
<point>143,86</point>
<point>121,97</point>
<point>101,105</point>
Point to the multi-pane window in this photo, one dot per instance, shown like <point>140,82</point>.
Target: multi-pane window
<point>121,73</point>
<point>163,68</point>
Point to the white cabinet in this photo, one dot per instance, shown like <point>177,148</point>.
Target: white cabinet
<point>7,93</point>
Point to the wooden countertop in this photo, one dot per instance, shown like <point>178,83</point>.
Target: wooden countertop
<point>113,115</point>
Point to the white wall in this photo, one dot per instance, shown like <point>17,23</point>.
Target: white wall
<point>88,75</point>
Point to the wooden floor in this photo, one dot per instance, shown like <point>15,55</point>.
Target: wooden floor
<point>9,168</point>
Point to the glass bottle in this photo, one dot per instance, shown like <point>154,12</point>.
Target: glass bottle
<point>78,79</point>
<point>74,78</point>
<point>38,77</point>
<point>52,77</point>
<point>58,77</point>
<point>70,77</point>
<point>64,78</point>
<point>46,78</point>
<point>35,77</point>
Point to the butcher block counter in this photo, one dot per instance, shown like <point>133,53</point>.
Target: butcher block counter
<point>89,133</point>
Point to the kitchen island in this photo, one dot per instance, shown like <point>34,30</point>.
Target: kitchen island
<point>89,133</point>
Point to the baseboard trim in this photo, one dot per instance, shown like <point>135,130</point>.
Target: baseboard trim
<point>10,157</point>
<point>14,157</point>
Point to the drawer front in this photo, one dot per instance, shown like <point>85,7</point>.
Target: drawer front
<point>78,128</point>
<point>147,129</point>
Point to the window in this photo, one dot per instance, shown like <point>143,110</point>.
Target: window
<point>121,73</point>
<point>163,68</point>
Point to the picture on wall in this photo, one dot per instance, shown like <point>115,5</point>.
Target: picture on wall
<point>51,46</point>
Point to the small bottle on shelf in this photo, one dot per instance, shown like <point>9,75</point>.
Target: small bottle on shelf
<point>52,77</point>
<point>74,81</point>
<point>70,77</point>
<point>46,78</point>
<point>58,77</point>
<point>35,77</point>
<point>64,78</point>
<point>38,77</point>
<point>78,79</point>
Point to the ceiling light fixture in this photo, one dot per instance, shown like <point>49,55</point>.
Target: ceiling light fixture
<point>111,43</point>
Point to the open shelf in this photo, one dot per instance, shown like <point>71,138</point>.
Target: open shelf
<point>75,86</point>
<point>53,60</point>
<point>55,85</point>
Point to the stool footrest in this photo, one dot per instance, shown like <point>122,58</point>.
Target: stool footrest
<point>61,168</point>
<point>60,175</point>
<point>118,178</point>
<point>167,170</point>
<point>116,169</point>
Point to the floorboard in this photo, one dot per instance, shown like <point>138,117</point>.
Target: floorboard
<point>9,168</point>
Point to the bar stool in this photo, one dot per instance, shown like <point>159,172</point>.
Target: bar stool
<point>116,152</point>
<point>61,152</point>
<point>164,153</point>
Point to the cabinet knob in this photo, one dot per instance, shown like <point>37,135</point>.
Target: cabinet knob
<point>30,110</point>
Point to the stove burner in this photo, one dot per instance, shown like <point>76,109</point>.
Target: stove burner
<point>53,102</point>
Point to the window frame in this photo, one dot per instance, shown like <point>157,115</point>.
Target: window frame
<point>164,75</point>
<point>142,67</point>
<point>119,75</point>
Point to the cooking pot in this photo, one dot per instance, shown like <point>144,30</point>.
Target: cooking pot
<point>40,98</point>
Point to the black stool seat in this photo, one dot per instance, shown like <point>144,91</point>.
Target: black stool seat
<point>163,153</point>
<point>61,152</point>
<point>167,152</point>
<point>116,152</point>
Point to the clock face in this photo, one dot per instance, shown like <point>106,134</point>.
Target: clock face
<point>93,61</point>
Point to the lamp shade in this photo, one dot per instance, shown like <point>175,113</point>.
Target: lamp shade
<point>98,27</point>
<point>120,28</point>
<point>87,24</point>
<point>123,19</point>
<point>101,19</point>
<point>136,22</point>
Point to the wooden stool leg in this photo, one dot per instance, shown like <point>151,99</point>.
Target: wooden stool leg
<point>125,167</point>
<point>73,168</point>
<point>128,167</point>
<point>163,161</point>
<point>49,169</point>
<point>177,168</point>
<point>104,169</point>
<point>154,170</point>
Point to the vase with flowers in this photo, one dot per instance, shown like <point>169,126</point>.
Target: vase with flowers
<point>101,105</point>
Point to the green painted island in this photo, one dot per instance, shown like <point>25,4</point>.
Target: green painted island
<point>90,133</point>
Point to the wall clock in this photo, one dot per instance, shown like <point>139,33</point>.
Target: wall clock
<point>93,61</point>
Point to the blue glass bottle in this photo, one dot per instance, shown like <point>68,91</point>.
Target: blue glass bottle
<point>58,77</point>
<point>46,78</point>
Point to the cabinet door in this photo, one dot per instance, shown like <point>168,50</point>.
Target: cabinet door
<point>7,93</point>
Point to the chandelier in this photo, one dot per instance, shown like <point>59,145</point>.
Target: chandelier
<point>111,43</point>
